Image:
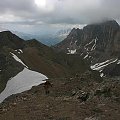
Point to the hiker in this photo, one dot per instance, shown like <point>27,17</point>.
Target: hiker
<point>47,85</point>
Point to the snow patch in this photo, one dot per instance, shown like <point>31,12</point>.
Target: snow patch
<point>100,70</point>
<point>72,51</point>
<point>86,56</point>
<point>23,81</point>
<point>19,51</point>
<point>102,74</point>
<point>17,59</point>
<point>89,43</point>
<point>100,66</point>
<point>81,54</point>
<point>118,62</point>
<point>94,46</point>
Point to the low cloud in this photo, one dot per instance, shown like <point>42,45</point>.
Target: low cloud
<point>58,11</point>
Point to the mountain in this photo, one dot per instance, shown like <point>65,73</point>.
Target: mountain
<point>10,40</point>
<point>62,34</point>
<point>76,92</point>
<point>97,43</point>
<point>16,54</point>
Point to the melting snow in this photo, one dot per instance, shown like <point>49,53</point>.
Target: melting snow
<point>94,41</point>
<point>94,46</point>
<point>20,50</point>
<point>102,74</point>
<point>100,70</point>
<point>72,51</point>
<point>89,43</point>
<point>99,66</point>
<point>118,62</point>
<point>17,59</point>
<point>21,82</point>
<point>86,56</point>
<point>81,54</point>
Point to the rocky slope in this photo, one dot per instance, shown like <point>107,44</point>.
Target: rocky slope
<point>77,98</point>
<point>97,43</point>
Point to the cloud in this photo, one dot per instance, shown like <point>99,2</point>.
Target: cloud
<point>26,12</point>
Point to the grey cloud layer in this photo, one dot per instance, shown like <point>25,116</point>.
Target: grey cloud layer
<point>60,11</point>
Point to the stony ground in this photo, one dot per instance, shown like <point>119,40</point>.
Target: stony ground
<point>80,98</point>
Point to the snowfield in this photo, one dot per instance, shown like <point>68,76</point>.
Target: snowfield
<point>100,66</point>
<point>23,81</point>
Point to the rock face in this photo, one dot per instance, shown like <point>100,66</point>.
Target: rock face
<point>96,43</point>
<point>70,41</point>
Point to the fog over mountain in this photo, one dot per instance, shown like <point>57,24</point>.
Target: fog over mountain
<point>40,16</point>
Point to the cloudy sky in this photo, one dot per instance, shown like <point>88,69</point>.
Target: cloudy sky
<point>49,15</point>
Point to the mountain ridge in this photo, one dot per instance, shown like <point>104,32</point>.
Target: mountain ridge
<point>36,56</point>
<point>96,42</point>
